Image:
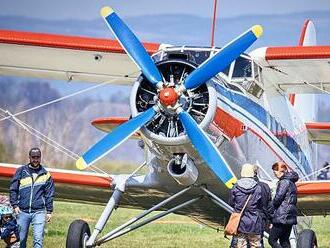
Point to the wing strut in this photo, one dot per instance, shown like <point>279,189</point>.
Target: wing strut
<point>128,226</point>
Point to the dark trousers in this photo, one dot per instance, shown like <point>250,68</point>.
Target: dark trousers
<point>280,232</point>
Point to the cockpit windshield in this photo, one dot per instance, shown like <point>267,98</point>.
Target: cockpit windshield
<point>246,73</point>
<point>242,68</point>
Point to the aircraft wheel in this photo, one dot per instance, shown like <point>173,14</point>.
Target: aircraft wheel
<point>307,239</point>
<point>78,234</point>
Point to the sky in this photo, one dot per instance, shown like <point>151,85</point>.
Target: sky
<point>89,9</point>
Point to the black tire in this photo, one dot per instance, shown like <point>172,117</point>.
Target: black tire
<point>307,239</point>
<point>78,233</point>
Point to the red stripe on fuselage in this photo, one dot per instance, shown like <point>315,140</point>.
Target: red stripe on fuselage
<point>227,124</point>
<point>67,42</point>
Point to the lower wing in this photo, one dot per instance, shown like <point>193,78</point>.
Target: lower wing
<point>314,197</point>
<point>319,132</point>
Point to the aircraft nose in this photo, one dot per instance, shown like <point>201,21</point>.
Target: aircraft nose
<point>168,96</point>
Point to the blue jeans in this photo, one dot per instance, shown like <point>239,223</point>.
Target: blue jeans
<point>38,221</point>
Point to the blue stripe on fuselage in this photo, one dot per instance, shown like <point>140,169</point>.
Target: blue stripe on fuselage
<point>261,114</point>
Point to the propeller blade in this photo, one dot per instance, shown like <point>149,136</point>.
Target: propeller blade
<point>132,45</point>
<point>223,58</point>
<point>114,139</point>
<point>207,150</point>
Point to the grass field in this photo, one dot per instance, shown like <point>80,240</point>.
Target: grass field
<point>171,231</point>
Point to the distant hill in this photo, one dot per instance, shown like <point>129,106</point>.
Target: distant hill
<point>186,29</point>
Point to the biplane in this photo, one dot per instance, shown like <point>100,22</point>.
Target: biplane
<point>200,112</point>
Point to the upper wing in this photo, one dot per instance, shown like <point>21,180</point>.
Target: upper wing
<point>301,69</point>
<point>319,132</point>
<point>314,197</point>
<point>66,57</point>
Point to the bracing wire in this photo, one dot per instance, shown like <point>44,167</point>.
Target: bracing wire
<point>44,138</point>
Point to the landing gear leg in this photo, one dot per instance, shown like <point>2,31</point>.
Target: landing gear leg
<point>112,203</point>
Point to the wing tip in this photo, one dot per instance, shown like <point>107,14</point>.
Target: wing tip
<point>257,30</point>
<point>106,11</point>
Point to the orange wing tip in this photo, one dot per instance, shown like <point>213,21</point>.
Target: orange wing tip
<point>81,164</point>
<point>257,30</point>
<point>231,182</point>
<point>106,11</point>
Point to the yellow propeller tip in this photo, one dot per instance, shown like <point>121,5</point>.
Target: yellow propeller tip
<point>257,30</point>
<point>230,183</point>
<point>106,11</point>
<point>81,164</point>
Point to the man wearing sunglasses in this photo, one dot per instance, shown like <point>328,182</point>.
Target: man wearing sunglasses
<point>31,195</point>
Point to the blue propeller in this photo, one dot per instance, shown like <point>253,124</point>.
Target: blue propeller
<point>223,58</point>
<point>207,150</point>
<point>114,139</point>
<point>202,143</point>
<point>132,46</point>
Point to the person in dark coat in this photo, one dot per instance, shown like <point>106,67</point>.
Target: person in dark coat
<point>9,228</point>
<point>284,204</point>
<point>267,209</point>
<point>250,225</point>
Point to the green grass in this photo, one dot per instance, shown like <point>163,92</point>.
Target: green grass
<point>171,231</point>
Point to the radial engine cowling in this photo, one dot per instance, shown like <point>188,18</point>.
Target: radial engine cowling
<point>166,128</point>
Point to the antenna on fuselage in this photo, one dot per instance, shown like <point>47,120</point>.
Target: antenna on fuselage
<point>214,22</point>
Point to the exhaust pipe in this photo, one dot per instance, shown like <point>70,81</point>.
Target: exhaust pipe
<point>182,169</point>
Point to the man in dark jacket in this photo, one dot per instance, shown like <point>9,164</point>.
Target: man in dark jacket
<point>284,204</point>
<point>31,196</point>
<point>250,225</point>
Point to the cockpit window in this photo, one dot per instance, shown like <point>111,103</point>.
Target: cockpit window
<point>199,57</point>
<point>257,72</point>
<point>253,88</point>
<point>242,68</point>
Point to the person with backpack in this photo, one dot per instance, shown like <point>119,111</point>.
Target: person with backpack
<point>247,192</point>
